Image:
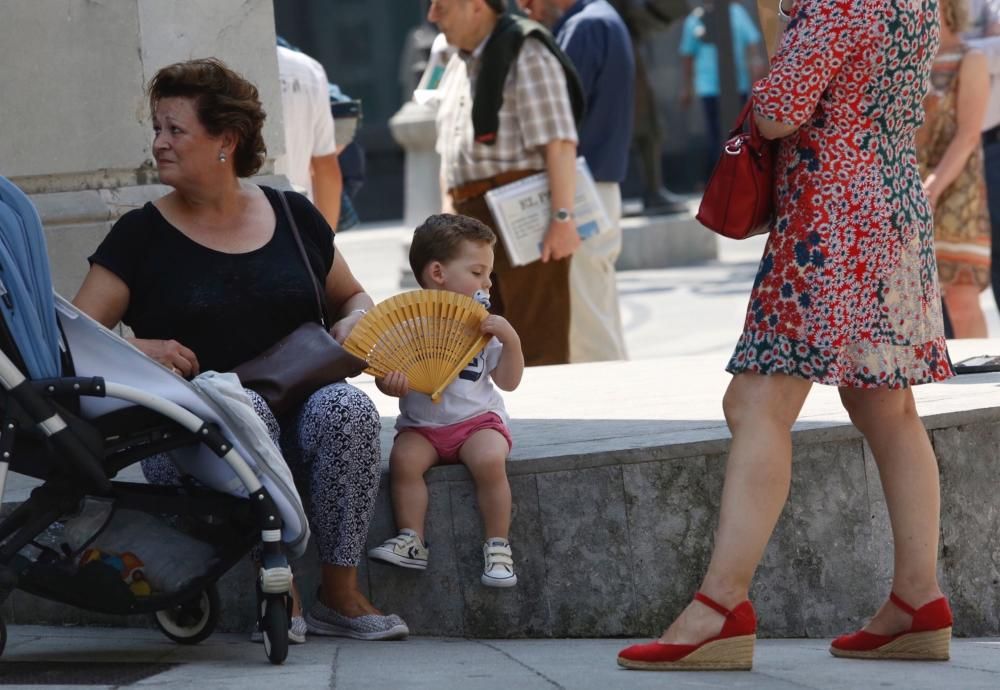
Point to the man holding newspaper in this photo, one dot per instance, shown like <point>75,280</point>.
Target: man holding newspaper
<point>509,102</point>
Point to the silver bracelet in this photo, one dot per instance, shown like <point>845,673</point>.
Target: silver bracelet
<point>781,11</point>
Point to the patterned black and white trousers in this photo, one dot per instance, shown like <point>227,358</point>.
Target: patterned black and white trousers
<point>332,447</point>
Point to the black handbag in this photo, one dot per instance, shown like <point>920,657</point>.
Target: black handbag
<point>303,361</point>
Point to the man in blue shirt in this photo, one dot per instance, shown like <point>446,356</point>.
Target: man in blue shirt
<point>700,67</point>
<point>595,38</point>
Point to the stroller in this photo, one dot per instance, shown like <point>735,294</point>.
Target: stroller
<point>78,405</point>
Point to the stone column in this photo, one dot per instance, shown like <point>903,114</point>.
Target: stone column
<point>77,133</point>
<point>413,128</point>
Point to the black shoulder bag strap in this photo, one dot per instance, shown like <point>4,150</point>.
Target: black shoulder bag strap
<point>324,318</point>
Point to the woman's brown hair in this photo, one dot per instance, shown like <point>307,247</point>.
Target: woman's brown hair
<point>224,101</point>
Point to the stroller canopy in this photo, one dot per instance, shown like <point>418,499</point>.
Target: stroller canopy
<point>26,299</point>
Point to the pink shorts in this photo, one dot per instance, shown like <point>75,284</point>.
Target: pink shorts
<point>448,440</point>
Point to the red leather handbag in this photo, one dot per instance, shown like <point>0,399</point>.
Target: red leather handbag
<point>739,199</point>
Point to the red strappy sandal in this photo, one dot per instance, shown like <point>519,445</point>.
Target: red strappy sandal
<point>730,650</point>
<point>928,639</point>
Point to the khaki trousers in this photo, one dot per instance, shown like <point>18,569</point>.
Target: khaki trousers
<point>595,330</point>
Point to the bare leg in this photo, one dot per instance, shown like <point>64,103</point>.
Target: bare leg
<point>485,455</point>
<point>909,473</point>
<point>967,318</point>
<point>760,411</point>
<point>411,456</point>
<point>340,591</point>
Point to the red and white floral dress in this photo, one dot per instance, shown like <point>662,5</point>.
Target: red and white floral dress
<point>847,290</point>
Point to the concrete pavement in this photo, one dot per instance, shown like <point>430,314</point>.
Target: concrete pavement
<point>108,657</point>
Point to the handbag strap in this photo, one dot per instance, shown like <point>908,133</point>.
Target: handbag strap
<point>741,120</point>
<point>756,140</point>
<point>320,303</point>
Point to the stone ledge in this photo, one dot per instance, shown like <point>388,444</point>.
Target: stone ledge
<point>664,241</point>
<point>615,500</point>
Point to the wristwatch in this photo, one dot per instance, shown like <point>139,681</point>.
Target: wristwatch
<point>561,215</point>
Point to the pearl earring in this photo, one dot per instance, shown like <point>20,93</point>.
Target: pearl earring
<point>222,156</point>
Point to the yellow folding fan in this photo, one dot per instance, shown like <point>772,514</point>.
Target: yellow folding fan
<point>429,335</point>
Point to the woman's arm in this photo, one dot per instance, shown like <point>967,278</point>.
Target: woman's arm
<point>104,297</point>
<point>769,129</point>
<point>972,100</point>
<point>347,299</point>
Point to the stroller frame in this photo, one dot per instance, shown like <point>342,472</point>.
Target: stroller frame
<point>40,408</point>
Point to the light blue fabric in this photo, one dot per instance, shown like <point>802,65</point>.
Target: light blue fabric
<point>26,300</point>
<point>706,59</point>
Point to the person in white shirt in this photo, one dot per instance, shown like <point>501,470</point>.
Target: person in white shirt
<point>310,159</point>
<point>469,425</point>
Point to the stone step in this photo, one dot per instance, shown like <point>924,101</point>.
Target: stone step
<point>616,475</point>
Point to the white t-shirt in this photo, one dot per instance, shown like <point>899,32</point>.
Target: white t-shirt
<point>468,396</point>
<point>305,100</point>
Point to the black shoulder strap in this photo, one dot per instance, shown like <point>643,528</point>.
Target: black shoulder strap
<point>320,302</point>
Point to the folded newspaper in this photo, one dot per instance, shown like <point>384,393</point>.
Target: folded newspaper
<point>522,212</point>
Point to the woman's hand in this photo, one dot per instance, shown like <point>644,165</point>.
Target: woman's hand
<point>933,190</point>
<point>343,328</point>
<point>394,384</point>
<point>170,354</point>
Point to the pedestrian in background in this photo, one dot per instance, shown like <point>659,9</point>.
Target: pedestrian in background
<point>644,19</point>
<point>595,38</point>
<point>509,102</point>
<point>846,295</point>
<point>310,159</point>
<point>700,69</point>
<point>950,151</point>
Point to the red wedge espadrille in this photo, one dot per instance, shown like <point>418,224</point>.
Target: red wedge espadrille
<point>928,639</point>
<point>730,650</point>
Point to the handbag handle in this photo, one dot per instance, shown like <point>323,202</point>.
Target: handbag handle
<point>320,303</point>
<point>746,114</point>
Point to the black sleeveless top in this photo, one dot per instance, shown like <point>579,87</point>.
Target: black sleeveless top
<point>227,308</point>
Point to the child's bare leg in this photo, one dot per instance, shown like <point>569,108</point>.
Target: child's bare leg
<point>411,456</point>
<point>485,455</point>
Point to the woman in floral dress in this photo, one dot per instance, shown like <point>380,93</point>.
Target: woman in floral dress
<point>950,153</point>
<point>846,295</point>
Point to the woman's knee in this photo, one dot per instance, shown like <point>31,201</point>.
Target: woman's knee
<point>872,409</point>
<point>341,408</point>
<point>756,399</point>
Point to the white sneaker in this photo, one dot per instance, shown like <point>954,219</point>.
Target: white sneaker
<point>498,564</point>
<point>405,550</point>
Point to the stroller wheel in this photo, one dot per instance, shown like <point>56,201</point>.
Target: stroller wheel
<point>274,624</point>
<point>192,621</point>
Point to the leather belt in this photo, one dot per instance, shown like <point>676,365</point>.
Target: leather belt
<point>476,188</point>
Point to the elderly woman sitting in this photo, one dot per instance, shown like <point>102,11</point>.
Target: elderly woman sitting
<point>209,276</point>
